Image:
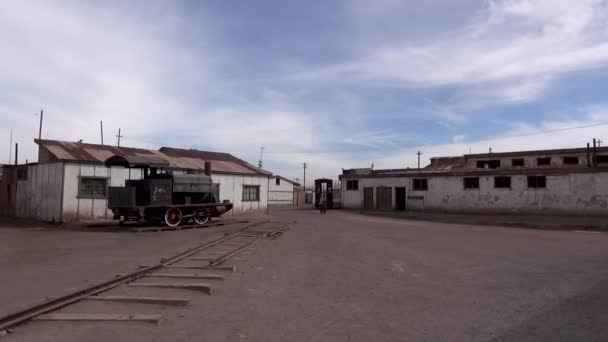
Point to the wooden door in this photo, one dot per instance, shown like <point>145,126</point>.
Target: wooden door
<point>384,198</point>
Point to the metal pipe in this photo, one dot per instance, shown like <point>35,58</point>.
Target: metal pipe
<point>40,127</point>
<point>16,153</point>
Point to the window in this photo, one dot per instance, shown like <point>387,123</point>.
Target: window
<point>601,159</point>
<point>352,185</point>
<point>502,182</point>
<point>543,161</point>
<point>488,164</point>
<point>251,193</point>
<point>471,182</point>
<point>92,187</point>
<point>571,160</point>
<point>421,184</point>
<point>537,182</point>
<point>517,162</point>
<point>278,181</point>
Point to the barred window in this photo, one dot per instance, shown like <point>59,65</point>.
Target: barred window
<point>421,184</point>
<point>352,185</point>
<point>92,187</point>
<point>471,182</point>
<point>537,182</point>
<point>251,193</point>
<point>502,182</point>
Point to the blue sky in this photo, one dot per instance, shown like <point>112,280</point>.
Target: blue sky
<point>337,84</point>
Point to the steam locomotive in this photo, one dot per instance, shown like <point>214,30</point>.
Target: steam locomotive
<point>162,196</point>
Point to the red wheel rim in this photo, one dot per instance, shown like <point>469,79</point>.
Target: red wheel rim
<point>173,217</point>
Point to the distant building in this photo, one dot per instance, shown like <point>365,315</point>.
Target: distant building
<point>70,180</point>
<point>282,191</point>
<point>566,181</point>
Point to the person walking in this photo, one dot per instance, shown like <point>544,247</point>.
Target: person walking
<point>323,204</point>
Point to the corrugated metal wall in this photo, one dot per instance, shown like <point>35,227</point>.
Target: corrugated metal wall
<point>37,195</point>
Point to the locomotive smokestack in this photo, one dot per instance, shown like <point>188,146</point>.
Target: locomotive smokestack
<point>208,168</point>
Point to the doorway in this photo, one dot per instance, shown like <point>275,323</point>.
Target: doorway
<point>384,198</point>
<point>400,198</point>
<point>368,198</point>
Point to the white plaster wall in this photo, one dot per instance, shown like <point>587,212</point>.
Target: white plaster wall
<point>231,188</point>
<point>281,194</point>
<point>577,193</point>
<point>77,209</point>
<point>36,197</point>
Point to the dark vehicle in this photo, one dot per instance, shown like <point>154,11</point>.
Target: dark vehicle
<point>324,185</point>
<point>162,196</point>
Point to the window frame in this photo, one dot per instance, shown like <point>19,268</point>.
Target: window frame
<point>535,184</point>
<point>420,181</point>
<point>522,160</point>
<point>496,185</point>
<point>602,157</point>
<point>490,163</point>
<point>538,161</point>
<point>350,186</point>
<point>249,198</point>
<point>80,194</point>
<point>464,183</point>
<point>571,158</point>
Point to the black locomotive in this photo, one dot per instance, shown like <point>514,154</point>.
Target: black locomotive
<point>162,196</point>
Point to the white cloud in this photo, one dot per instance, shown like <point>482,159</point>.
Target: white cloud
<point>512,52</point>
<point>587,123</point>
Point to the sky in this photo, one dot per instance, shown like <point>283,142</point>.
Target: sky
<point>335,84</point>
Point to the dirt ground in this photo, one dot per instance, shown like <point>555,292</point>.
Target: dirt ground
<point>336,277</point>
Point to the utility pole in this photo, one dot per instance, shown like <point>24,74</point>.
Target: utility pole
<point>101,126</point>
<point>119,136</point>
<point>419,154</point>
<point>599,142</point>
<point>260,162</point>
<point>305,165</point>
<point>490,149</point>
<point>40,127</point>
<point>10,149</point>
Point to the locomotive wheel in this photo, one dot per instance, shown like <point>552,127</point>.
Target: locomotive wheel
<point>173,217</point>
<point>201,216</point>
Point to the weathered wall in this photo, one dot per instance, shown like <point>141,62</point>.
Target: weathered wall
<point>37,197</point>
<point>281,194</point>
<point>575,193</point>
<point>231,188</point>
<point>85,209</point>
<point>8,186</point>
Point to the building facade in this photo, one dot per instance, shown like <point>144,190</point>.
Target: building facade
<point>69,182</point>
<point>569,182</point>
<point>282,191</point>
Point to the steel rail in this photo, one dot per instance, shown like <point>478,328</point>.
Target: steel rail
<point>59,302</point>
<point>220,260</point>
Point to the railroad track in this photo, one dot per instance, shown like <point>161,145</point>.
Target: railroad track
<point>198,268</point>
<point>222,222</point>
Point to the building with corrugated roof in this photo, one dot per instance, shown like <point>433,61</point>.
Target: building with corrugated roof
<point>282,191</point>
<point>564,181</point>
<point>70,180</point>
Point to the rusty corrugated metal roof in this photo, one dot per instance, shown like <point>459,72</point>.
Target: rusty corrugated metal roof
<point>175,157</point>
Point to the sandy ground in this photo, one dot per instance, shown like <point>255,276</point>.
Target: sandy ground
<point>347,277</point>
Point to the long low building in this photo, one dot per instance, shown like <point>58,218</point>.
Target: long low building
<point>566,181</point>
<point>69,182</point>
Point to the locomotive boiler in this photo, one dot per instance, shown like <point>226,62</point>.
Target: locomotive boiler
<point>163,196</point>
